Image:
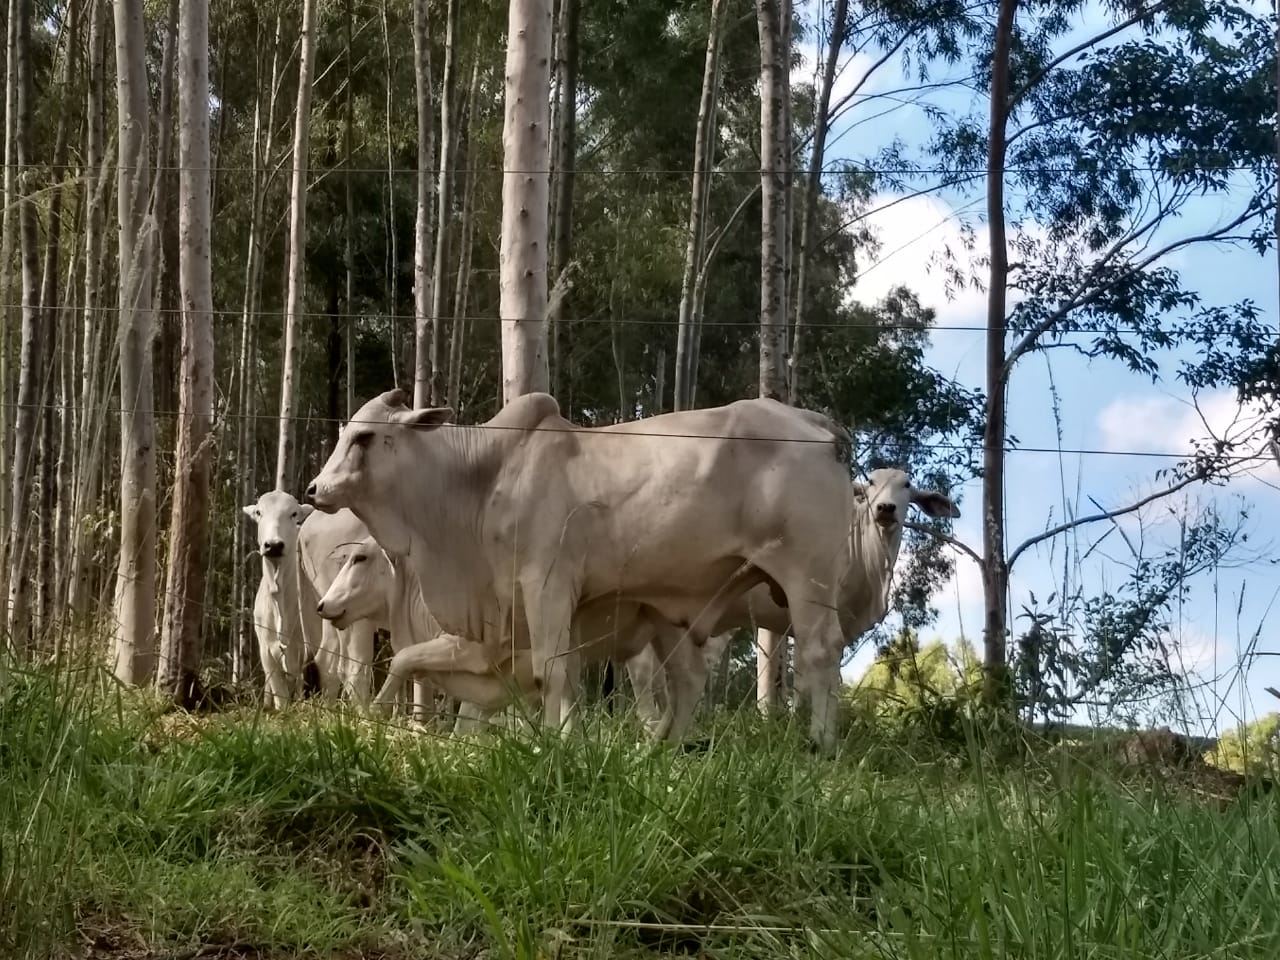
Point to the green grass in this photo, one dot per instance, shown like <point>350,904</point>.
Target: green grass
<point>323,834</point>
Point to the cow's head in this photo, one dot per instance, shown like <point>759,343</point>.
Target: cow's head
<point>888,494</point>
<point>372,464</point>
<point>278,516</point>
<point>361,587</point>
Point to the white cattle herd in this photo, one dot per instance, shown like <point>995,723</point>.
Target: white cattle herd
<point>503,556</point>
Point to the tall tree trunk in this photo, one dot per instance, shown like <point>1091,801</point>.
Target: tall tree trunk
<point>695,240</point>
<point>457,342</point>
<point>444,200</point>
<point>393,264</point>
<point>90,440</point>
<point>422,296</point>
<point>333,369</point>
<point>775,161</point>
<point>7,225</point>
<point>296,292</point>
<point>52,321</point>
<point>181,648</point>
<point>813,188</point>
<point>566,152</point>
<point>168,318</point>
<point>242,655</point>
<point>136,573</point>
<point>616,345</point>
<point>30,360</point>
<point>348,249</point>
<point>995,568</point>
<point>525,189</point>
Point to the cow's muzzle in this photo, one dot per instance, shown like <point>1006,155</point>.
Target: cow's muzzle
<point>273,548</point>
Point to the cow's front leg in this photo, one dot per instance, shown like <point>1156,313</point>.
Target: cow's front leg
<point>549,608</point>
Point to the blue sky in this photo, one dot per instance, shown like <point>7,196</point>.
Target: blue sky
<point>1103,407</point>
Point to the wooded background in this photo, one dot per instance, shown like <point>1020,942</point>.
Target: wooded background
<point>310,206</point>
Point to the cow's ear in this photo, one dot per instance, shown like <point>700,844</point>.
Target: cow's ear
<point>426,418</point>
<point>252,512</point>
<point>935,504</point>
<point>304,510</point>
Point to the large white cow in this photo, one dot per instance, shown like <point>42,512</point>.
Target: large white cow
<point>514,524</point>
<point>488,677</point>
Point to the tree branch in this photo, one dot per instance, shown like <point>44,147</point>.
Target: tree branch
<point>1028,341</point>
<point>1052,532</point>
<point>1080,48</point>
<point>724,229</point>
<point>948,540</point>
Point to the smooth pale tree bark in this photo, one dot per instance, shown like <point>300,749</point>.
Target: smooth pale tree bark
<point>296,287</point>
<point>813,189</point>
<point>525,193</point>
<point>462,283</point>
<point>695,240</point>
<point>30,357</point>
<point>444,200</point>
<point>181,646</point>
<point>348,249</point>
<point>50,419</point>
<point>91,433</point>
<point>775,161</point>
<point>563,170</point>
<point>994,561</point>
<point>422,248</point>
<point>136,573</point>
<point>263,151</point>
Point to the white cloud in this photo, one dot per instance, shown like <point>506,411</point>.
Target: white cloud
<point>914,235</point>
<point>1160,423</point>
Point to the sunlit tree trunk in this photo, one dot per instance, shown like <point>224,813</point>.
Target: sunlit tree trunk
<point>444,200</point>
<point>566,150</point>
<point>26,421</point>
<point>462,286</point>
<point>189,524</point>
<point>695,239</point>
<point>775,161</point>
<point>813,188</point>
<point>525,189</point>
<point>295,293</point>
<point>135,576</point>
<point>995,563</point>
<point>422,247</point>
<point>51,415</point>
<point>92,426</point>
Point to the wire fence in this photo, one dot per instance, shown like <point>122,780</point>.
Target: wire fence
<point>627,430</point>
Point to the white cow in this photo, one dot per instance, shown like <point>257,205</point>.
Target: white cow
<point>487,678</point>
<point>515,524</point>
<point>277,616</point>
<point>875,538</point>
<point>296,545</point>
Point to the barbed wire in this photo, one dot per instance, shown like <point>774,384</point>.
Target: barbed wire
<point>797,172</point>
<point>593,320</point>
<point>582,431</point>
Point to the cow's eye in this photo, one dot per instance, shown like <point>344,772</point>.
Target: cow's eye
<point>359,558</point>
